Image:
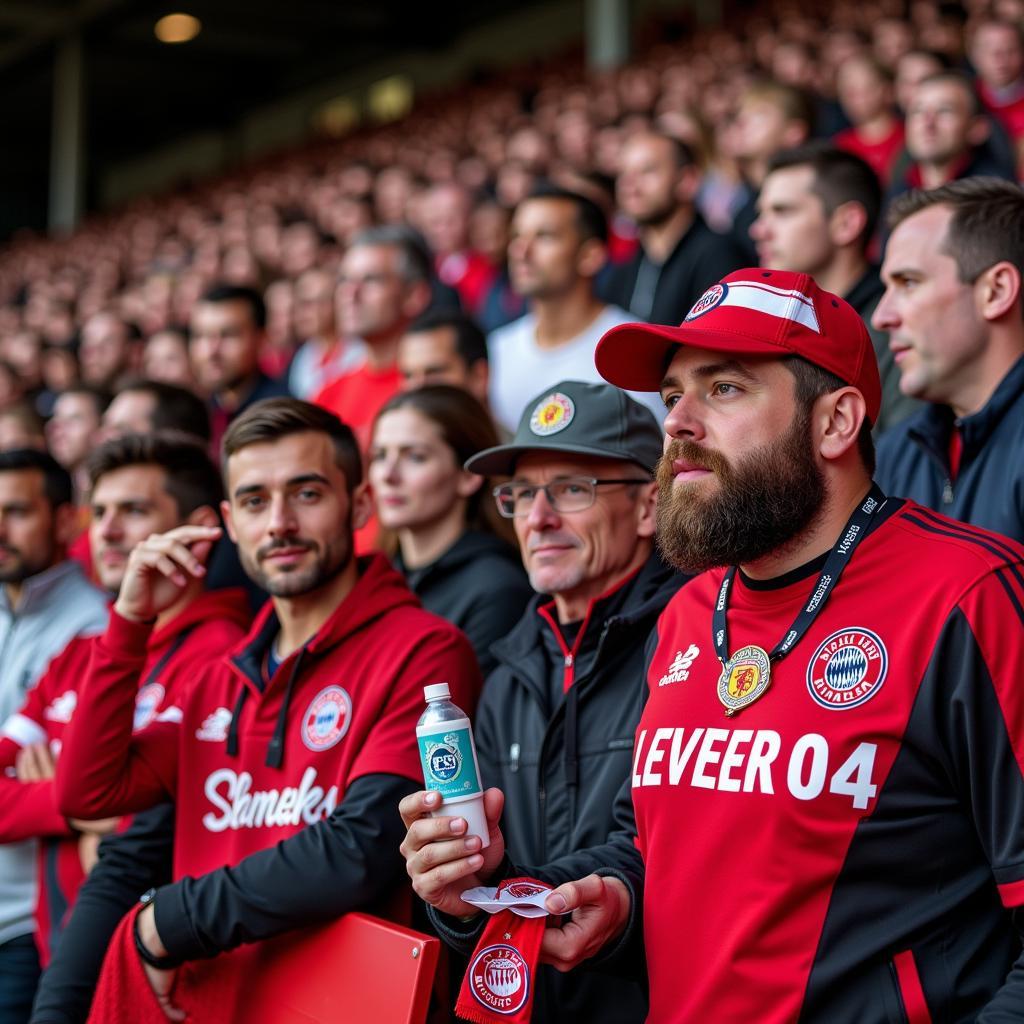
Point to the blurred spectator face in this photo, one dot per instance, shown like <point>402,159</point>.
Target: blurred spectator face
<point>891,39</point>
<point>71,432</point>
<point>131,412</point>
<point>240,267</point>
<point>414,473</point>
<point>513,183</point>
<point>864,92</point>
<point>761,128</point>
<point>996,54</point>
<point>165,358</point>
<point>530,148</point>
<point>60,368</point>
<point>128,505</point>
<point>391,193</point>
<point>792,64</point>
<point>444,218</point>
<point>913,68</point>
<point>225,345</point>
<point>10,384</point>
<point>105,350</point>
<point>651,185</point>
<point>373,298</point>
<point>314,305</point>
<point>546,257</point>
<point>488,232</point>
<point>299,245</point>
<point>24,351</point>
<point>431,357</point>
<point>941,123</point>
<point>791,230</point>
<point>20,427</point>
<point>32,532</point>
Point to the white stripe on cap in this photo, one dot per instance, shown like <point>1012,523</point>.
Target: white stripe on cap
<point>787,304</point>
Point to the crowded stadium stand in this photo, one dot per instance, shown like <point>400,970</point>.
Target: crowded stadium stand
<point>226,229</point>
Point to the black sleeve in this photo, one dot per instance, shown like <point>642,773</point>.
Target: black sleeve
<point>129,863</point>
<point>1007,1006</point>
<point>346,862</point>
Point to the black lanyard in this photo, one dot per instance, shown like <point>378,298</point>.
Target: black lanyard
<point>837,561</point>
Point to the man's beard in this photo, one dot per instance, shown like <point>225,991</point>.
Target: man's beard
<point>21,567</point>
<point>762,503</point>
<point>330,562</point>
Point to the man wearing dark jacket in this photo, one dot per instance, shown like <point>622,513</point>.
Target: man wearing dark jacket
<point>556,720</point>
<point>953,310</point>
<point>679,255</point>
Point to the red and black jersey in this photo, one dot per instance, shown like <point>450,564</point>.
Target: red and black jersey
<point>214,621</point>
<point>844,849</point>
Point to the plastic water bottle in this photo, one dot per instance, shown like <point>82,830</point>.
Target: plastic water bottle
<point>448,758</point>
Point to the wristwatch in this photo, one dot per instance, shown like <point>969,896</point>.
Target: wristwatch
<point>161,963</point>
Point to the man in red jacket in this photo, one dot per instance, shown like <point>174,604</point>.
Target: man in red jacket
<point>139,485</point>
<point>287,757</point>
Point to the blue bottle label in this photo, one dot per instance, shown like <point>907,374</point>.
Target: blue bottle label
<point>448,764</point>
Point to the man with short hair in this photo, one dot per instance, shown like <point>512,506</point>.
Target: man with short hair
<point>558,245</point>
<point>997,53</point>
<point>816,215</point>
<point>445,347</point>
<point>138,485</point>
<point>227,334</point>
<point>948,136</point>
<point>142,406</point>
<point>853,704</point>
<point>953,308</point>
<point>45,601</point>
<point>109,348</point>
<point>73,428</point>
<point>286,758</point>
<point>384,283</point>
<point>865,91</point>
<point>679,255</point>
<point>557,714</point>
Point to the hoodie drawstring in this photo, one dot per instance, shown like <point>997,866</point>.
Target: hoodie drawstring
<point>233,727</point>
<point>275,750</point>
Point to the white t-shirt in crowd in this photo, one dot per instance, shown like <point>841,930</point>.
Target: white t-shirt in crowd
<point>521,369</point>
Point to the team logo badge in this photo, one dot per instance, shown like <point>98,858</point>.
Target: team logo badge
<point>744,678</point>
<point>552,414</point>
<point>444,759</point>
<point>62,708</point>
<point>147,701</point>
<point>215,726</point>
<point>679,670</point>
<point>327,718</point>
<point>847,669</point>
<point>714,296</point>
<point>499,978</point>
<point>524,890</point>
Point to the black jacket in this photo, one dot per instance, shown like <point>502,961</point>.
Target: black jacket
<point>864,296</point>
<point>913,460</point>
<point>479,585</point>
<point>664,293</point>
<point>568,808</point>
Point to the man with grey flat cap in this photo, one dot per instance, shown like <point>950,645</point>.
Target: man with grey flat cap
<point>555,723</point>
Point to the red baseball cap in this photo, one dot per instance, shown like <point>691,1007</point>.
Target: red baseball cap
<point>751,312</point>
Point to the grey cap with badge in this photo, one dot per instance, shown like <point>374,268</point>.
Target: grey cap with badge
<point>576,418</point>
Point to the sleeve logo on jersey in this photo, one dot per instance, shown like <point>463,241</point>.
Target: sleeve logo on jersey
<point>215,726</point>
<point>147,702</point>
<point>679,670</point>
<point>327,718</point>
<point>847,669</point>
<point>61,708</point>
<point>499,978</point>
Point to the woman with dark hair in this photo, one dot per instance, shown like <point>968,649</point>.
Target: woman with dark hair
<point>453,547</point>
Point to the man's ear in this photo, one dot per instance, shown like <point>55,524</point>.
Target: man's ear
<point>65,524</point>
<point>837,418</point>
<point>416,299</point>
<point>979,130</point>
<point>225,511</point>
<point>998,290</point>
<point>646,510</point>
<point>468,484</point>
<point>847,223</point>
<point>592,256</point>
<point>205,515</point>
<point>362,506</point>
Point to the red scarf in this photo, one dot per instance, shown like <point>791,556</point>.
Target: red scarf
<point>499,983</point>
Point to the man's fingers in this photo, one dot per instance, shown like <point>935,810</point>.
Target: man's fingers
<point>494,804</point>
<point>434,855</point>
<point>571,895</point>
<point>416,805</point>
<point>564,948</point>
<point>427,831</point>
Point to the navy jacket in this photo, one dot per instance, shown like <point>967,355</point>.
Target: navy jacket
<point>913,460</point>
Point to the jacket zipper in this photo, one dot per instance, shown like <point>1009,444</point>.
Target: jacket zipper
<point>947,492</point>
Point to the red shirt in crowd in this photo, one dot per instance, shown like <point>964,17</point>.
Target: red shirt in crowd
<point>880,154</point>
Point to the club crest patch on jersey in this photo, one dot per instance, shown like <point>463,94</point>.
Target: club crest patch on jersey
<point>147,700</point>
<point>847,669</point>
<point>215,726</point>
<point>552,414</point>
<point>714,296</point>
<point>499,979</point>
<point>327,718</point>
<point>62,708</point>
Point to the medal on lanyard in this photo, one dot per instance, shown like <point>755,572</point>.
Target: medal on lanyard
<point>747,673</point>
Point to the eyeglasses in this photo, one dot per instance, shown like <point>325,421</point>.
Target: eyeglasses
<point>569,494</point>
